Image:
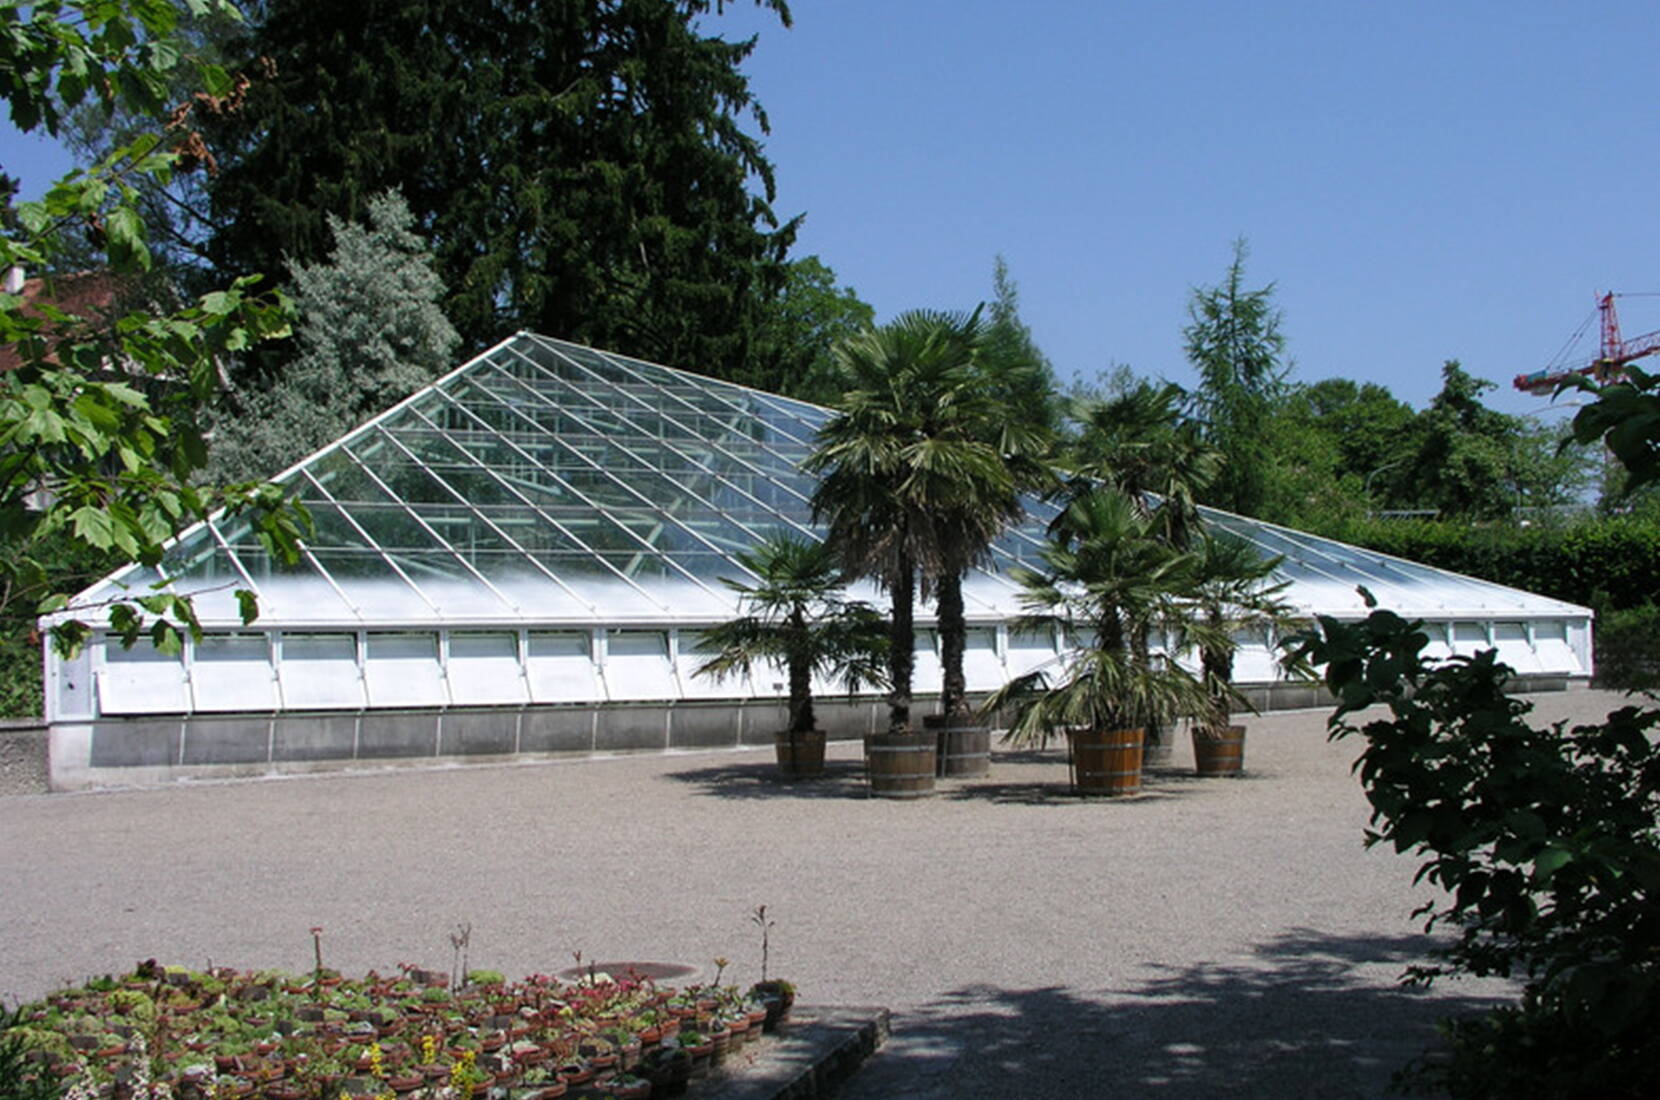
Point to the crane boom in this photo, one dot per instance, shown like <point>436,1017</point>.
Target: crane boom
<point>1615,353</point>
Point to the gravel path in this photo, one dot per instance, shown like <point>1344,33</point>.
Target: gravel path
<point>1216,936</point>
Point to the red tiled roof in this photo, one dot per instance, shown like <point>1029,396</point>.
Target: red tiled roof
<point>88,295</point>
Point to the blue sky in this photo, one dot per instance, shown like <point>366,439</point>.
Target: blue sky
<point>1421,181</point>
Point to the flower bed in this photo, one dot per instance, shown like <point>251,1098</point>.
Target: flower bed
<point>223,1034</point>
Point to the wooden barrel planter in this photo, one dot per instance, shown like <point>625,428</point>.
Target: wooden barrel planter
<point>1219,755</point>
<point>1106,762</point>
<point>800,755</point>
<point>1158,748</point>
<point>961,750</point>
<point>900,765</point>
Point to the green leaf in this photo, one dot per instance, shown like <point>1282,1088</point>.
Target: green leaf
<point>124,230</point>
<point>69,637</point>
<point>1548,862</point>
<point>93,526</point>
<point>220,302</point>
<point>166,638</point>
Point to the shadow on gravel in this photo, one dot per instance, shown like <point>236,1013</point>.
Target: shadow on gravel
<point>1044,783</point>
<point>1302,1020</point>
<point>841,779</point>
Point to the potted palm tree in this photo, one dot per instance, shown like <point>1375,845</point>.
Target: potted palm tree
<point>794,616</point>
<point>987,500</point>
<point>1136,442</point>
<point>914,484</point>
<point>1106,582</point>
<point>1233,594</point>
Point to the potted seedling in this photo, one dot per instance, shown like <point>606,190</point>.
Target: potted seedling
<point>775,995</point>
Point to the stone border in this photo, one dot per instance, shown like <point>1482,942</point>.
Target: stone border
<point>809,1058</point>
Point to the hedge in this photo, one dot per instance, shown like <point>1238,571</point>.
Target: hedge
<point>1612,567</point>
<point>1609,565</point>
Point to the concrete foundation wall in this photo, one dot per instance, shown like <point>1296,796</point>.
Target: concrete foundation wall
<point>121,752</point>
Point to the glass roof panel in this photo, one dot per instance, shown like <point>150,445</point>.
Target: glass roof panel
<point>338,477</point>
<point>549,483</point>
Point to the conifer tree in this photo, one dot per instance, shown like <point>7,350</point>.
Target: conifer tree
<point>581,169</point>
<point>1234,341</point>
<point>1016,367</point>
<point>370,334</point>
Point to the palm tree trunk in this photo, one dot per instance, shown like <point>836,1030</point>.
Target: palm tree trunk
<point>1141,649</point>
<point>801,697</point>
<point>801,675</point>
<point>902,647</point>
<point>953,638</point>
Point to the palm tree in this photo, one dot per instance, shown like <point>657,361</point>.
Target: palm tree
<point>1137,443</point>
<point>795,617</point>
<point>1232,593</point>
<point>916,476</point>
<point>1110,580</point>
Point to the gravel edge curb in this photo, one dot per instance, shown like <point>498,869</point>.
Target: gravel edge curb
<point>809,1059</point>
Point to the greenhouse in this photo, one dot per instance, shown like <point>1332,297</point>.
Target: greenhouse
<point>520,560</point>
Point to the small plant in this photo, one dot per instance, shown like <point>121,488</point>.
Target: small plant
<point>720,968</point>
<point>459,941</point>
<point>18,1079</point>
<point>760,920</point>
<point>317,956</point>
<point>465,1076</point>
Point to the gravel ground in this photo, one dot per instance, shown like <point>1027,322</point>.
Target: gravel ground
<point>22,759</point>
<point>1209,937</point>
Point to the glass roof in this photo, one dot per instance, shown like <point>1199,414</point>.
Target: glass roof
<point>544,482</point>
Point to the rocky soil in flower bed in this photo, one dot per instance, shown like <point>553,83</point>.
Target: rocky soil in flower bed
<point>167,1033</point>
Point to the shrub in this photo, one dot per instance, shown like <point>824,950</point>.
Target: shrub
<point>19,1079</point>
<point>1628,649</point>
<point>1546,845</point>
<point>1608,565</point>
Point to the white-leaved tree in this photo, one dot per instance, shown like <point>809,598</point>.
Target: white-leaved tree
<point>370,333</point>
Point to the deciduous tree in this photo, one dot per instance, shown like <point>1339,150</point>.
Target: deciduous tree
<point>100,429</point>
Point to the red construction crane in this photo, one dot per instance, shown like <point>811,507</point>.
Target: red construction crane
<point>1606,367</point>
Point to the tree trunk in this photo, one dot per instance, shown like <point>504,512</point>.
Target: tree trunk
<point>801,697</point>
<point>1154,740</point>
<point>1110,636</point>
<point>953,636</point>
<point>902,645</point>
<point>1216,667</point>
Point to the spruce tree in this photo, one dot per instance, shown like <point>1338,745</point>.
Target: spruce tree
<point>580,168</point>
<point>370,333</point>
